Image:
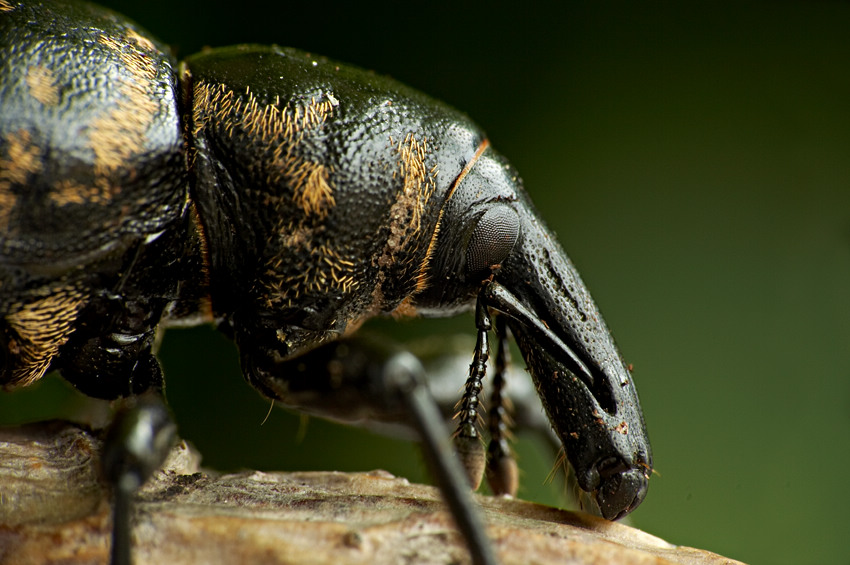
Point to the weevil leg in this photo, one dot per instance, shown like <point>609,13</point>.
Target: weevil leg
<point>365,382</point>
<point>502,470</point>
<point>136,444</point>
<point>405,373</point>
<point>467,437</point>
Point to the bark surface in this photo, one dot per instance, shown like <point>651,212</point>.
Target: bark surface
<point>55,509</point>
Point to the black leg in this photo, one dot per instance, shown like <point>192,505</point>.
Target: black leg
<point>365,382</point>
<point>136,445</point>
<point>502,470</point>
<point>404,373</point>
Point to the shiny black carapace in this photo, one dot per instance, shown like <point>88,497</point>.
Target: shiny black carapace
<point>286,198</point>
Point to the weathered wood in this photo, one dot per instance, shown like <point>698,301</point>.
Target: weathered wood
<point>53,509</point>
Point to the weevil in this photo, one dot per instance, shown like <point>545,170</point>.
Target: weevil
<point>286,198</point>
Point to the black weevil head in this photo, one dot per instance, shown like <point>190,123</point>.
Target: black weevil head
<point>492,244</point>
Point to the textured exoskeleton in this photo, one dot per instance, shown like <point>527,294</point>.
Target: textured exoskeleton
<point>287,198</point>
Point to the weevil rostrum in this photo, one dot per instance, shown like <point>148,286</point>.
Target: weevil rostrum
<point>286,198</point>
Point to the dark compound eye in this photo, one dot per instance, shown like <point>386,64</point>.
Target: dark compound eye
<point>492,239</point>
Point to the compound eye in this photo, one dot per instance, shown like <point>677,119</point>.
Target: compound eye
<point>492,239</point>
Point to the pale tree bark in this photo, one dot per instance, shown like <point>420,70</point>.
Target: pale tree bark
<point>54,509</point>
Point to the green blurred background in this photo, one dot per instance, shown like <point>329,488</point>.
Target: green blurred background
<point>694,159</point>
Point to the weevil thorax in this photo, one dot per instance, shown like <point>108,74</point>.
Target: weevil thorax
<point>319,187</point>
<point>328,195</point>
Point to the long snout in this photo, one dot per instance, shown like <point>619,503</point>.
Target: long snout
<point>583,382</point>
